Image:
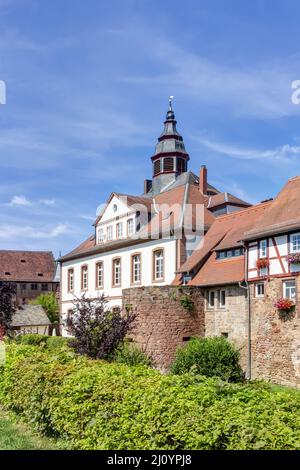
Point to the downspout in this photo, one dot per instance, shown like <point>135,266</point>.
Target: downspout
<point>249,341</point>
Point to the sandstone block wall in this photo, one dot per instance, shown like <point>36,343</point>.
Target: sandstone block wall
<point>275,342</point>
<point>230,321</point>
<point>162,323</point>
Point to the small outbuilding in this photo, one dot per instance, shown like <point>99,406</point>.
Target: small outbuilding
<point>31,319</point>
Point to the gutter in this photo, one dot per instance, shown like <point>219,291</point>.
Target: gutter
<point>249,340</point>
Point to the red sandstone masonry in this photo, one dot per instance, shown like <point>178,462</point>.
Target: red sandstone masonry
<point>275,343</point>
<point>162,323</point>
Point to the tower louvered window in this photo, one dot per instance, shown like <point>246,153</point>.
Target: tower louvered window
<point>168,164</point>
<point>156,167</point>
<point>180,165</point>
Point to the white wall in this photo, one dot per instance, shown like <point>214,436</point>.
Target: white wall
<point>275,267</point>
<point>114,293</point>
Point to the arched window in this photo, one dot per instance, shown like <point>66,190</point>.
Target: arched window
<point>168,164</point>
<point>158,265</point>
<point>156,167</point>
<point>116,274</point>
<point>136,268</point>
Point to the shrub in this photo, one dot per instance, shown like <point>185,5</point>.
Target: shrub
<point>130,354</point>
<point>32,339</point>
<point>210,357</point>
<point>97,330</point>
<point>57,342</point>
<point>99,405</point>
<point>50,305</point>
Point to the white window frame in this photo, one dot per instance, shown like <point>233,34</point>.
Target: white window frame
<point>71,280</point>
<point>84,278</point>
<point>136,268</point>
<point>211,305</point>
<point>263,248</point>
<point>99,275</point>
<point>257,294</point>
<point>100,235</point>
<point>130,227</point>
<point>119,230</point>
<point>287,290</point>
<point>159,265</point>
<point>222,305</point>
<point>117,272</point>
<point>292,249</point>
<point>109,232</point>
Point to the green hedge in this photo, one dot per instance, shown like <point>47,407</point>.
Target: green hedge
<point>49,342</point>
<point>100,405</point>
<point>212,357</point>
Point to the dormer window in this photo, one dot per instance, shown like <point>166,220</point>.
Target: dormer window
<point>130,227</point>
<point>109,233</point>
<point>263,248</point>
<point>100,235</point>
<point>295,243</point>
<point>119,229</point>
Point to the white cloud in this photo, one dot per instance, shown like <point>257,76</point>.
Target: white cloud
<point>48,202</point>
<point>10,231</point>
<point>20,201</point>
<point>283,153</point>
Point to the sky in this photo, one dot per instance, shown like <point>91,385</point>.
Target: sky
<point>87,87</point>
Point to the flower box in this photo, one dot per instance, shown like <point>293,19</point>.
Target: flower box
<point>285,307</point>
<point>293,258</point>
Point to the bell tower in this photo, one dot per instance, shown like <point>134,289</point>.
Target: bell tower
<point>170,158</point>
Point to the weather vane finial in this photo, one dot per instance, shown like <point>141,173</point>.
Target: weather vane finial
<point>170,103</point>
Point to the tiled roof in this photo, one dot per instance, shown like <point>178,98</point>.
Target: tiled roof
<point>283,213</point>
<point>168,206</point>
<point>27,266</point>
<point>220,272</point>
<point>226,232</point>
<point>225,198</point>
<point>30,315</point>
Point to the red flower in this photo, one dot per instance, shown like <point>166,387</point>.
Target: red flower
<point>284,304</point>
<point>262,263</point>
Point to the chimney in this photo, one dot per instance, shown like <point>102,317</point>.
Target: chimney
<point>203,180</point>
<point>147,186</point>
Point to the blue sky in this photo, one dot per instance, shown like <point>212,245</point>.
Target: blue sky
<point>87,89</point>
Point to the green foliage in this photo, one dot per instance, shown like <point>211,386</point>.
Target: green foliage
<point>32,339</point>
<point>48,342</point>
<point>187,303</point>
<point>130,354</point>
<point>50,305</point>
<point>99,405</point>
<point>210,357</point>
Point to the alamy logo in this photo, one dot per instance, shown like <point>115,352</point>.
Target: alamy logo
<point>2,92</point>
<point>296,93</point>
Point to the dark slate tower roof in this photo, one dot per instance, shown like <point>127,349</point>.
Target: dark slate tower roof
<point>170,157</point>
<point>170,141</point>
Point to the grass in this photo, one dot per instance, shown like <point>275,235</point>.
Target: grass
<point>16,436</point>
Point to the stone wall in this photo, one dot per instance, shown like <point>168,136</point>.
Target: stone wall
<point>231,320</point>
<point>162,323</point>
<point>275,342</point>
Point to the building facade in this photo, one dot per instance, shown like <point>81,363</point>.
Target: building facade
<point>32,272</point>
<point>143,240</point>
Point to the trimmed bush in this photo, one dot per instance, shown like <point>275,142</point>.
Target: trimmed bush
<point>99,405</point>
<point>130,354</point>
<point>212,357</point>
<point>32,339</point>
<point>57,342</point>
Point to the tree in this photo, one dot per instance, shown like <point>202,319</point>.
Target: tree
<point>97,330</point>
<point>7,293</point>
<point>50,305</point>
